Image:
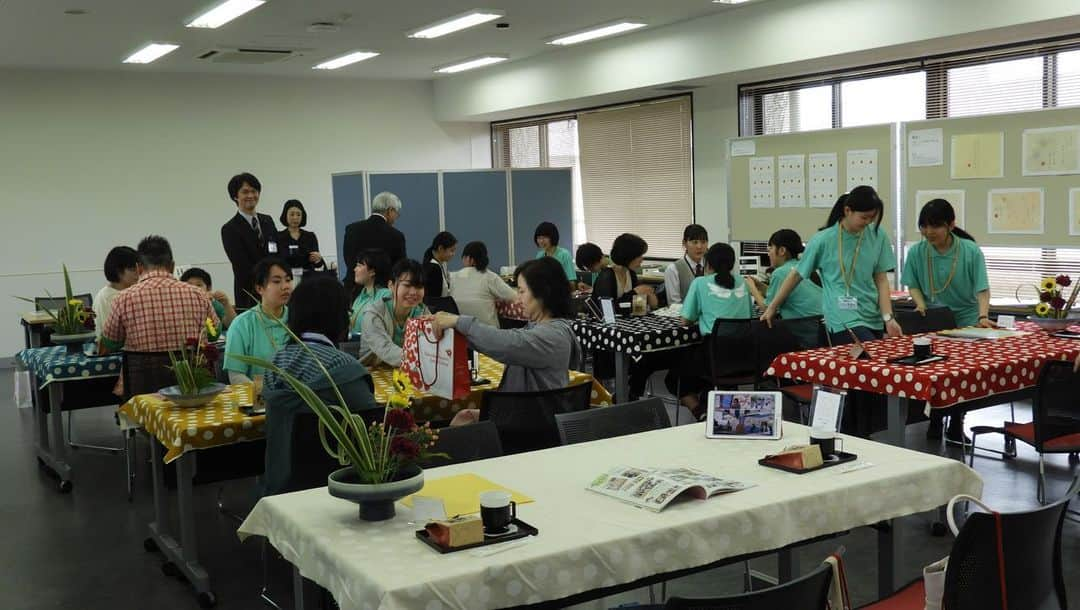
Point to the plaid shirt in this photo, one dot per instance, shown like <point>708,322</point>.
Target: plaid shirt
<point>158,314</point>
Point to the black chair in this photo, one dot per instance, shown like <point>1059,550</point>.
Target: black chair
<point>478,441</point>
<point>1055,425</point>
<point>914,323</point>
<point>785,336</point>
<point>351,348</point>
<point>447,304</point>
<point>732,353</point>
<point>141,373</point>
<point>809,592</point>
<point>526,420</point>
<point>616,420</point>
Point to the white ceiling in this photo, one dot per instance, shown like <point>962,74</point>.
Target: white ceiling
<point>37,33</point>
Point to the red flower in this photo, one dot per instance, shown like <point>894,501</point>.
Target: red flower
<point>1063,280</point>
<point>1045,296</point>
<point>400,419</point>
<point>211,353</point>
<point>191,342</point>
<point>405,448</point>
<point>1057,303</point>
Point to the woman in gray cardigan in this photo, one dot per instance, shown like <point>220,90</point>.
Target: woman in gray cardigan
<point>540,355</point>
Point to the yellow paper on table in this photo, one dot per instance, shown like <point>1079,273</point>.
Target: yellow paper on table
<point>461,493</point>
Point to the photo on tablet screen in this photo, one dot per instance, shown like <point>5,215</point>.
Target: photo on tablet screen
<point>744,414</point>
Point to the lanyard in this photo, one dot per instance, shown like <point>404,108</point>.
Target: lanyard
<point>930,268</point>
<point>847,277</point>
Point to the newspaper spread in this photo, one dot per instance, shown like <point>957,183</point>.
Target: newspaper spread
<point>655,488</point>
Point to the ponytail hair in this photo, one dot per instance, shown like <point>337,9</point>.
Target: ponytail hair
<point>861,199</point>
<point>940,213</point>
<point>721,259</point>
<point>443,239</point>
<point>788,240</point>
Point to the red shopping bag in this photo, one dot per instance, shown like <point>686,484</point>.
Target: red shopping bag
<point>435,366</point>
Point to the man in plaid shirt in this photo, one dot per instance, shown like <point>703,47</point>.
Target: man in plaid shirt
<point>160,312</point>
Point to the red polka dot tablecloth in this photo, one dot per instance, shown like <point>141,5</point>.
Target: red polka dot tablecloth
<point>973,369</point>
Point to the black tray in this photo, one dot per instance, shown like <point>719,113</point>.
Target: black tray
<point>1066,334</point>
<point>913,361</point>
<point>523,530</point>
<point>843,458</point>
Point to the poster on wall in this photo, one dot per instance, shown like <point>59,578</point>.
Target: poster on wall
<point>1074,211</point>
<point>955,197</point>
<point>762,182</point>
<point>1015,210</point>
<point>978,155</point>
<point>1052,151</point>
<point>926,147</point>
<point>791,189</point>
<point>823,175</point>
<point>862,168</point>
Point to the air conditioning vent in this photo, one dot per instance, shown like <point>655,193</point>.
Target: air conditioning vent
<point>679,88</point>
<point>246,56</point>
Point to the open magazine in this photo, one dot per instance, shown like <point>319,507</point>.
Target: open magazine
<point>655,488</point>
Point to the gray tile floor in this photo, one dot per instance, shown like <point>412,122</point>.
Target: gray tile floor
<point>84,550</point>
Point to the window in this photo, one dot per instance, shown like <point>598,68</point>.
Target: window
<point>632,168</point>
<point>800,110</point>
<point>1068,78</point>
<point>1003,86</point>
<point>1014,272</point>
<point>886,99</point>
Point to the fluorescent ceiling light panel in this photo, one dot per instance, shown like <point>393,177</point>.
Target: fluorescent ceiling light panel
<point>345,60</point>
<point>729,1</point>
<point>610,29</point>
<point>457,23</point>
<point>224,13</point>
<point>151,52</point>
<point>469,64</point>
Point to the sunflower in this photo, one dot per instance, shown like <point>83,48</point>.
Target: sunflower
<point>1048,284</point>
<point>211,330</point>
<point>402,384</point>
<point>74,302</point>
<point>1042,309</point>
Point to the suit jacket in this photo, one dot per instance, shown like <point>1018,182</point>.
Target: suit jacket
<point>303,247</point>
<point>374,233</point>
<point>606,286</point>
<point>245,249</point>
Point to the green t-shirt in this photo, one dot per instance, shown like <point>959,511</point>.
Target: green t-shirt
<point>563,256</point>
<point>252,334</point>
<point>804,301</point>
<point>706,301</point>
<point>399,331</point>
<point>958,294</point>
<point>366,296</point>
<point>875,256</point>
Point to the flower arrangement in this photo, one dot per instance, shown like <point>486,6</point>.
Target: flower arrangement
<point>72,318</point>
<point>1052,303</point>
<point>193,366</point>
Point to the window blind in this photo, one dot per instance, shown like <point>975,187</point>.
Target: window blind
<point>637,174</point>
<point>1014,272</point>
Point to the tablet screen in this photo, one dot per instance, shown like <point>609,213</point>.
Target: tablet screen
<point>744,415</point>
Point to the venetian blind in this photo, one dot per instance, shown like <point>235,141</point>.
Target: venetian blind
<point>637,174</point>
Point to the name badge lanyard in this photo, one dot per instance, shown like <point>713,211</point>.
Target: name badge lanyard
<point>847,277</point>
<point>930,270</point>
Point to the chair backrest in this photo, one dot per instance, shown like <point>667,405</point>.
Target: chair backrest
<point>936,318</point>
<point>146,372</point>
<point>351,348</point>
<point>54,303</point>
<point>616,420</point>
<point>1055,410</point>
<point>310,464</point>
<point>526,420</point>
<point>1031,547</point>
<point>732,351</point>
<point>786,335</point>
<point>809,592</point>
<point>447,304</point>
<point>478,441</point>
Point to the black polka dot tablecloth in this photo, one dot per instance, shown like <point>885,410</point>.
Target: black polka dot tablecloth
<point>636,335</point>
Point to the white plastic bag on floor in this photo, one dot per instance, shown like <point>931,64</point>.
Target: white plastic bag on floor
<point>23,390</point>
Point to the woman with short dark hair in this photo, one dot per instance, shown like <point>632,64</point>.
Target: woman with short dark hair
<point>476,288</point>
<point>620,281</point>
<point>298,247</point>
<point>546,238</point>
<point>436,275</point>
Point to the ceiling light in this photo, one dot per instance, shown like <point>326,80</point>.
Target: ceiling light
<point>345,60</point>
<point>729,1</point>
<point>151,52</point>
<point>457,23</point>
<point>610,29</point>
<point>224,13</point>
<point>469,64</point>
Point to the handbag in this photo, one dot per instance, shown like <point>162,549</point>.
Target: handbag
<point>438,366</point>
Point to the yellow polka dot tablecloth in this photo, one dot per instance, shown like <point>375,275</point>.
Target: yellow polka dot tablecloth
<point>183,429</point>
<point>428,407</point>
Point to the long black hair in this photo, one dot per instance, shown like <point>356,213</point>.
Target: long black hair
<point>789,240</point>
<point>477,251</point>
<point>721,259</point>
<point>318,305</point>
<point>378,263</point>
<point>940,213</point>
<point>547,283</point>
<point>442,239</point>
<point>861,199</point>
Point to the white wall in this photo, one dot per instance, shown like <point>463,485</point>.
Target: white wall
<point>716,118</point>
<point>92,160</point>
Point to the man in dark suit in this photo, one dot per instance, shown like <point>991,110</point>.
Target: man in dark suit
<point>248,237</point>
<point>375,233</point>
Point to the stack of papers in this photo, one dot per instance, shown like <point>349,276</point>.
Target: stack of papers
<point>671,311</point>
<point>979,334</point>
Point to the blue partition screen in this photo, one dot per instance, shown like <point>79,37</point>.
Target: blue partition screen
<point>348,191</point>
<point>419,194</point>
<point>474,207</point>
<point>541,195</point>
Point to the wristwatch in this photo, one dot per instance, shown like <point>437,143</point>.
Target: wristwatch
<point>886,317</point>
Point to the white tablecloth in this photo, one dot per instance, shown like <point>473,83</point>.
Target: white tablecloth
<point>588,540</point>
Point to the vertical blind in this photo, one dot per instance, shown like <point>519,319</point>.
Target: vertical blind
<point>637,173</point>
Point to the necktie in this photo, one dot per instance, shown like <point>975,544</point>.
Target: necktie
<point>255,226</point>
<point>698,271</point>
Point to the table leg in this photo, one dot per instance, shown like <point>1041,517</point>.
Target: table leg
<point>897,420</point>
<point>788,564</point>
<point>52,452</point>
<point>305,594</point>
<point>622,377</point>
<point>889,556</point>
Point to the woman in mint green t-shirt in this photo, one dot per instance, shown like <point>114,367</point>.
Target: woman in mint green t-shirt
<point>257,332</point>
<point>370,275</point>
<point>785,246</point>
<point>720,294</point>
<point>546,237</point>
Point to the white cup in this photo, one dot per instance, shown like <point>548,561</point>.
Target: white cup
<point>494,498</point>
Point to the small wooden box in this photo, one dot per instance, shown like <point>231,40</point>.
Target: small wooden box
<point>799,458</point>
<point>456,532</point>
